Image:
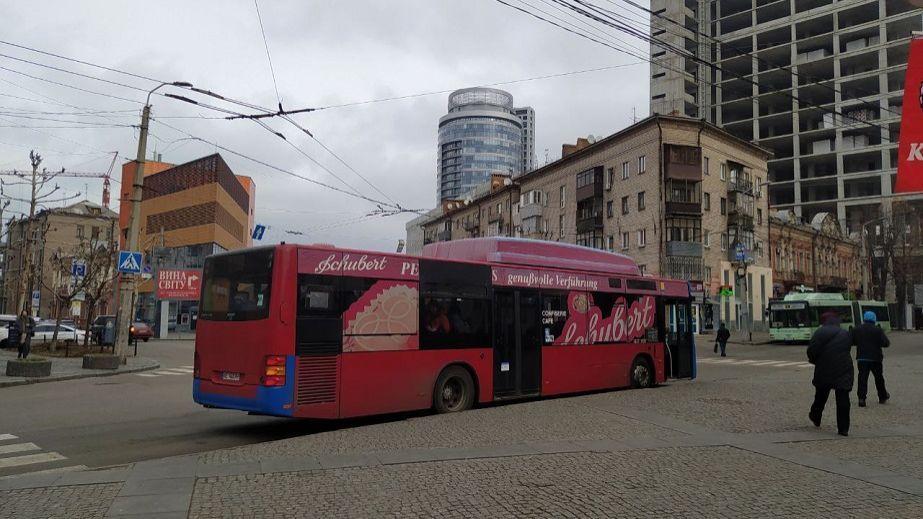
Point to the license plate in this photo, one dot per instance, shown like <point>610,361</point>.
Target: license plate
<point>230,376</point>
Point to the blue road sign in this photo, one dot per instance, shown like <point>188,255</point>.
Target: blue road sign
<point>129,262</point>
<point>78,269</point>
<point>740,252</point>
<point>258,231</point>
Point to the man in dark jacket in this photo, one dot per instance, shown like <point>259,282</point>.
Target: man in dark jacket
<point>722,338</point>
<point>869,340</point>
<point>833,370</point>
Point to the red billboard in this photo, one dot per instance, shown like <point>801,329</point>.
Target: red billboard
<point>182,285</point>
<point>910,149</point>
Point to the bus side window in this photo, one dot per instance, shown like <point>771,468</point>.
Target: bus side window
<point>317,296</point>
<point>454,305</point>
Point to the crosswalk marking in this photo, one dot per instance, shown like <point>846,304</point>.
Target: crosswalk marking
<point>182,370</point>
<point>5,437</point>
<point>146,375</point>
<point>785,364</point>
<point>18,447</point>
<point>18,461</point>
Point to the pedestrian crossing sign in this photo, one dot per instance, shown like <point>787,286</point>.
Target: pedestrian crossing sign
<point>129,262</point>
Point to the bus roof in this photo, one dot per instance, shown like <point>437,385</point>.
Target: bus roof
<point>533,253</point>
<point>832,297</point>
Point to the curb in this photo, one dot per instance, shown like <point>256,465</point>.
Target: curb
<point>60,378</point>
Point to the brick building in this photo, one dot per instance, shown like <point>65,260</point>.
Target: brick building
<point>678,195</point>
<point>188,212</point>
<point>816,255</point>
<point>55,231</point>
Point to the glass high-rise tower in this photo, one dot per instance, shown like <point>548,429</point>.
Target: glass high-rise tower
<point>483,134</point>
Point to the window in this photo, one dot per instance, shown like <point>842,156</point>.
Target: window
<point>724,205</point>
<point>707,273</point>
<point>683,229</point>
<point>610,243</point>
<point>454,305</point>
<point>500,208</point>
<point>586,178</point>
<point>706,239</point>
<point>533,197</point>
<point>563,193</point>
<point>609,209</point>
<point>724,241</point>
<point>94,233</point>
<point>641,201</point>
<point>705,166</point>
<point>80,232</point>
<point>642,237</point>
<point>237,286</point>
<point>625,241</point>
<point>642,269</point>
<point>626,170</point>
<point>561,226</point>
<point>706,201</point>
<point>758,187</point>
<point>724,171</point>
<point>624,205</point>
<point>610,176</point>
<point>759,217</point>
<point>642,163</point>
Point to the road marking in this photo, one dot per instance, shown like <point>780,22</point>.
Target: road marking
<point>29,459</point>
<point>786,364</point>
<point>146,375</point>
<point>18,447</point>
<point>767,362</point>
<point>168,373</point>
<point>4,437</point>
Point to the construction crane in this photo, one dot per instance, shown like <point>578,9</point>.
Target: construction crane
<point>78,174</point>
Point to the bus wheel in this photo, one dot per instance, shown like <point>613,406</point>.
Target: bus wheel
<point>454,390</point>
<point>642,375</point>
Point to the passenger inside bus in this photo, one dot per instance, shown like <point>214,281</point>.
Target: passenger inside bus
<point>436,319</point>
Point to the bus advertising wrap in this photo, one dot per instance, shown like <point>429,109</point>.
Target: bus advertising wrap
<point>910,148</point>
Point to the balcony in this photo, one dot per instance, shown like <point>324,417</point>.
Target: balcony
<point>445,235</point>
<point>683,267</point>
<point>684,208</point>
<point>740,185</point>
<point>530,211</point>
<point>739,218</point>
<point>493,218</point>
<point>684,248</point>
<point>589,224</point>
<point>472,224</point>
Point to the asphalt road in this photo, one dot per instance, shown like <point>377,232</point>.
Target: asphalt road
<point>106,421</point>
<point>99,422</point>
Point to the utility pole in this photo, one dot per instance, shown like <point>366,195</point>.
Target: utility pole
<point>127,281</point>
<point>25,275</point>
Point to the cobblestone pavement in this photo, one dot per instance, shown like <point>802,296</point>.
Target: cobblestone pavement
<point>84,501</point>
<point>733,443</point>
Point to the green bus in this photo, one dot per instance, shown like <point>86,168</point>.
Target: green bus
<point>795,317</point>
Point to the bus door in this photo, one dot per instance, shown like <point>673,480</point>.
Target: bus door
<point>517,343</point>
<point>678,338</point>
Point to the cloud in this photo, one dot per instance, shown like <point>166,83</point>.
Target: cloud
<point>324,53</point>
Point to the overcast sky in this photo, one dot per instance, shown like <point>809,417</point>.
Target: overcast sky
<point>324,53</point>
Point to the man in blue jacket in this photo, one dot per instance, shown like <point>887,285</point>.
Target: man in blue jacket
<point>869,339</point>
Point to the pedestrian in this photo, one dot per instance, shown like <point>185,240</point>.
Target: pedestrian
<point>13,335</point>
<point>829,351</point>
<point>26,327</point>
<point>722,339</point>
<point>869,339</point>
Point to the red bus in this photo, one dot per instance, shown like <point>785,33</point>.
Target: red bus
<point>324,332</point>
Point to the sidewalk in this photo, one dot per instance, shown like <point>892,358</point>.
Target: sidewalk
<point>72,368</point>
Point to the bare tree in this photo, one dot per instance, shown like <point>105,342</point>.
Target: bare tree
<point>893,248</point>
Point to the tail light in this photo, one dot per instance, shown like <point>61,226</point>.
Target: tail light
<point>196,365</point>
<point>274,371</point>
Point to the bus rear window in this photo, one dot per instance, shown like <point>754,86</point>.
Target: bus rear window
<point>236,286</point>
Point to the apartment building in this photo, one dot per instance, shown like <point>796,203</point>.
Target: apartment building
<point>682,197</point>
<point>818,82</point>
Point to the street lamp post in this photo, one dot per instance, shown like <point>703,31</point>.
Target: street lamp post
<point>127,281</point>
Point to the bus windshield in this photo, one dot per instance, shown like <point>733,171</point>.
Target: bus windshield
<point>236,286</point>
<point>881,312</point>
<point>790,318</point>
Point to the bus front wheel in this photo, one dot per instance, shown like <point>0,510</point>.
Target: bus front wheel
<point>454,390</point>
<point>642,375</point>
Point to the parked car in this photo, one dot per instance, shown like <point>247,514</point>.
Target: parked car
<point>5,320</point>
<point>44,332</point>
<point>141,330</point>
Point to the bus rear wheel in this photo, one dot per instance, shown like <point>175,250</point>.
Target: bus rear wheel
<point>454,390</point>
<point>642,374</point>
